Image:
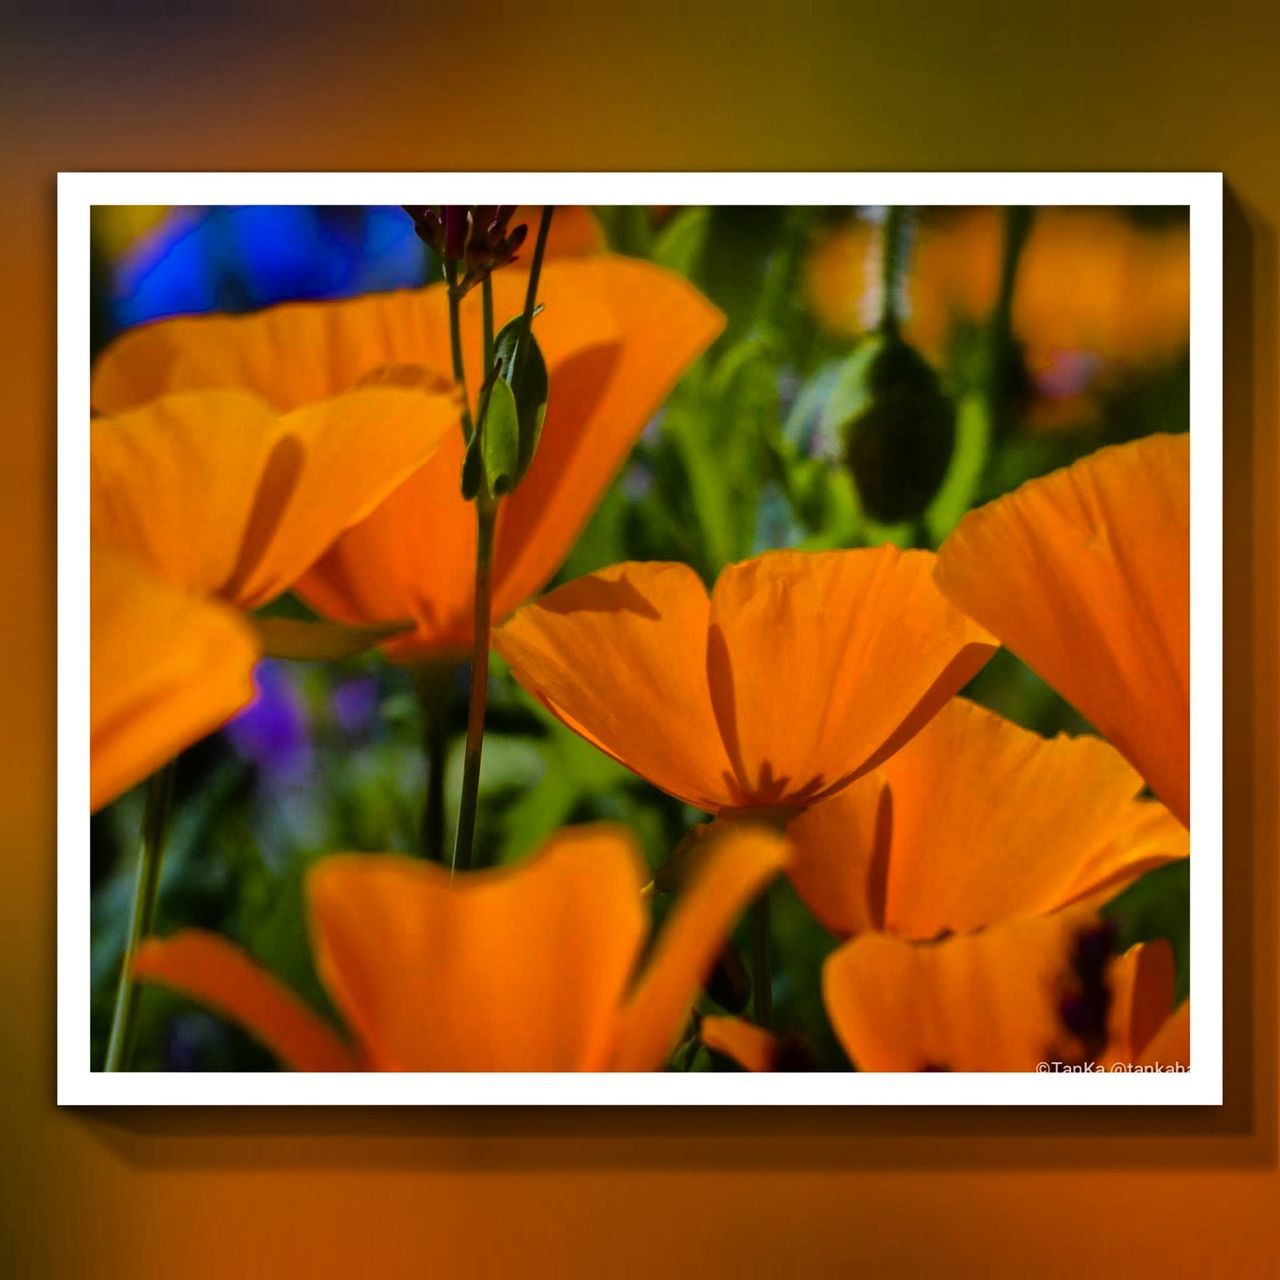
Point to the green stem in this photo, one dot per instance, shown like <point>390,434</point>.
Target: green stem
<point>146,889</point>
<point>531,297</point>
<point>431,684</point>
<point>999,344</point>
<point>761,962</point>
<point>455,346</point>
<point>894,252</point>
<point>486,298</point>
<point>464,843</point>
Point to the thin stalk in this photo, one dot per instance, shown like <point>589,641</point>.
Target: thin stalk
<point>761,962</point>
<point>464,843</point>
<point>455,346</point>
<point>999,337</point>
<point>146,889</point>
<point>431,683</point>
<point>531,297</point>
<point>486,524</point>
<point>486,299</point>
<point>894,252</point>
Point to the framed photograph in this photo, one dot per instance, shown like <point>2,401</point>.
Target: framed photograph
<point>675,638</point>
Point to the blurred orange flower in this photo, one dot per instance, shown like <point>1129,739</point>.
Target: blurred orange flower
<point>976,821</point>
<point>529,968</point>
<point>1085,575</point>
<point>166,668</point>
<point>993,1000</point>
<point>213,494</point>
<point>988,1001</point>
<point>217,492</point>
<point>616,335</point>
<point>800,672</point>
<point>1088,279</point>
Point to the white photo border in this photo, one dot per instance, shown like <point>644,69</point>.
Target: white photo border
<point>78,1085</point>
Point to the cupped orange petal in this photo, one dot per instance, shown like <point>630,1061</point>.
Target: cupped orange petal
<point>216,492</point>
<point>751,1047</point>
<point>734,867</point>
<point>518,969</point>
<point>219,974</point>
<point>616,334</point>
<point>1085,575</point>
<point>620,657</point>
<point>822,664</point>
<point>986,1001</point>
<point>289,355</point>
<point>976,821</point>
<point>662,324</point>
<point>165,668</point>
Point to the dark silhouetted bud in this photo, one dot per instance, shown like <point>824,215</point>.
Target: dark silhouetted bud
<point>895,425</point>
<point>478,238</point>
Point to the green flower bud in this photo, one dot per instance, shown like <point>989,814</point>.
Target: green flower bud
<point>896,427</point>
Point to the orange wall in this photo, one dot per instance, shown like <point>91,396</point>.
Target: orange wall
<point>520,1193</point>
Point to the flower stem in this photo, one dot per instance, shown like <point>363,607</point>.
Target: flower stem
<point>431,684</point>
<point>531,297</point>
<point>455,346</point>
<point>486,524</point>
<point>761,962</point>
<point>464,843</point>
<point>146,888</point>
<point>895,246</point>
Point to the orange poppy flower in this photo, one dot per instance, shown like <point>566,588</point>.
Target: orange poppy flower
<point>166,667</point>
<point>976,821</point>
<point>528,968</point>
<point>800,672</point>
<point>616,334</point>
<point>1085,575</point>
<point>987,1001</point>
<point>218,493</point>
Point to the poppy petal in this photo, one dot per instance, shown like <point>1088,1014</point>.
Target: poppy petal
<point>1171,1045</point>
<point>1085,575</point>
<point>1142,987</point>
<point>822,664</point>
<point>219,974</point>
<point>616,334</point>
<point>986,1001</point>
<point>751,1047</point>
<point>575,230</point>
<point>661,324</point>
<point>735,866</point>
<point>974,821</point>
<point>289,355</point>
<point>620,657</point>
<point>517,969</point>
<point>217,493</point>
<point>165,669</point>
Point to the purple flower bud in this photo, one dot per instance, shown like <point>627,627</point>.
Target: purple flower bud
<point>455,231</point>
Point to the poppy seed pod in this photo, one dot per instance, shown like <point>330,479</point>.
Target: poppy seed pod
<point>895,425</point>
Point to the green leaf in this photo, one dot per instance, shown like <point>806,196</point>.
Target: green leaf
<point>500,439</point>
<point>531,402</point>
<point>320,641</point>
<point>680,243</point>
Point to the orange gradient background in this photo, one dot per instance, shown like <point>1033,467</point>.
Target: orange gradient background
<point>196,1193</point>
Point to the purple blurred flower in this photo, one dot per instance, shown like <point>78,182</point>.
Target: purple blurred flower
<point>271,732</point>
<point>355,705</point>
